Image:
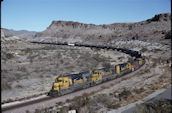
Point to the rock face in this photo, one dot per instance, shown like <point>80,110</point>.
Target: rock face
<point>153,29</point>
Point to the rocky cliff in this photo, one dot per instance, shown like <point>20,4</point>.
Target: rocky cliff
<point>153,29</point>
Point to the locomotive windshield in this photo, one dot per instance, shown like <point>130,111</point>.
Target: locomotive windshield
<point>58,80</point>
<point>94,72</point>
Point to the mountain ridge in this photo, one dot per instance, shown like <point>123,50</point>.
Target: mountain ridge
<point>18,32</point>
<point>155,28</point>
<point>160,24</point>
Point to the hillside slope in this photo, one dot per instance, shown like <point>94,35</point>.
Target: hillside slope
<point>152,29</point>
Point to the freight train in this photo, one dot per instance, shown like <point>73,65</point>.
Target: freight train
<point>64,84</point>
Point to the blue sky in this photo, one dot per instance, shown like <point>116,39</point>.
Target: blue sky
<point>37,15</point>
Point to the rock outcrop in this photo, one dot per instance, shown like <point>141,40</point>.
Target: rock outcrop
<point>6,33</point>
<point>152,29</point>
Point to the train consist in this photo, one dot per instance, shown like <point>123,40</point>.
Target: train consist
<point>69,83</point>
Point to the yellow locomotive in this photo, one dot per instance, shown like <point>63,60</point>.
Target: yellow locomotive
<point>69,83</point>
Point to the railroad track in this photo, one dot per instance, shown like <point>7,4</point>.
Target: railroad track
<point>32,104</point>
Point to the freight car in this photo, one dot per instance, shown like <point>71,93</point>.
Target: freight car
<point>70,83</point>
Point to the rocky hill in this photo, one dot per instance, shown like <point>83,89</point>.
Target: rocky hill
<point>19,32</point>
<point>155,28</point>
<point>5,33</point>
<point>9,34</point>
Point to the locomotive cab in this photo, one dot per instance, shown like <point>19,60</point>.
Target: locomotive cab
<point>140,61</point>
<point>61,83</point>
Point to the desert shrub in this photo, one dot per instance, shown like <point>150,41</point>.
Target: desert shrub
<point>59,55</point>
<point>113,105</point>
<point>93,105</point>
<point>104,87</point>
<point>31,60</point>
<point>85,94</point>
<point>23,69</point>
<point>155,18</point>
<point>46,110</point>
<point>157,50</point>
<point>103,99</point>
<point>27,111</point>
<point>98,58</point>
<point>37,111</point>
<point>57,65</point>
<point>48,48</point>
<point>64,109</point>
<point>8,100</point>
<point>168,35</point>
<point>68,100</point>
<point>25,51</point>
<point>154,65</point>
<point>5,85</point>
<point>17,76</point>
<point>124,94</point>
<point>157,106</point>
<point>9,56</point>
<point>138,91</point>
<point>107,65</point>
<point>130,27</point>
<point>144,71</point>
<point>59,103</point>
<point>111,84</point>
<point>144,49</point>
<point>43,52</point>
<point>67,63</point>
<point>61,61</point>
<point>19,86</point>
<point>79,102</point>
<point>119,58</point>
<point>83,109</point>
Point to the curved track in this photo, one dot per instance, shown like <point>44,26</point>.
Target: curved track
<point>49,101</point>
